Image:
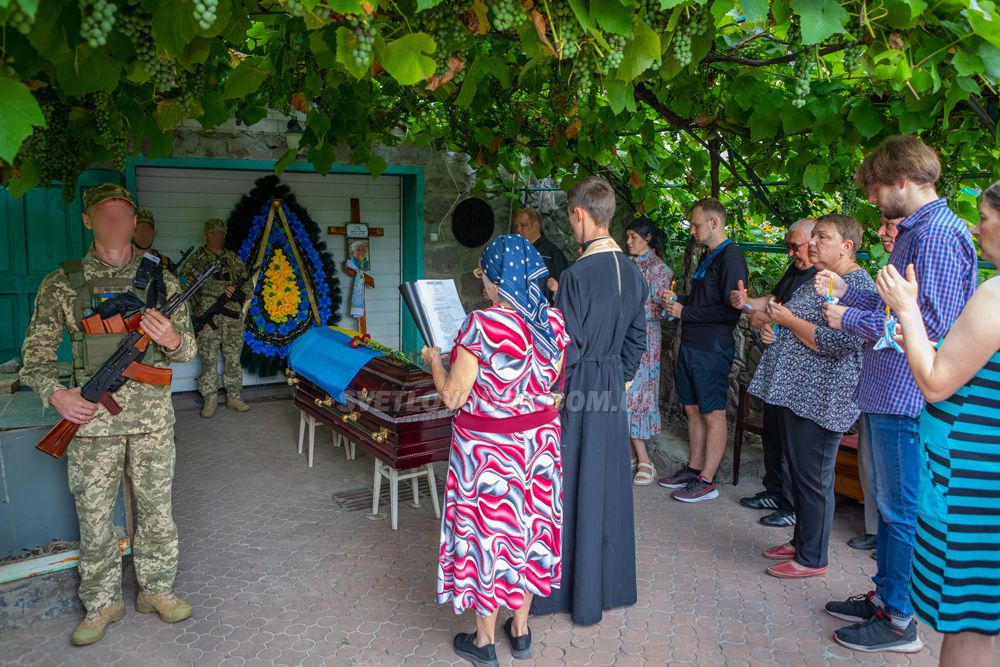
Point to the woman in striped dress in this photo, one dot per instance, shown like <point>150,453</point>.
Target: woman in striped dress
<point>955,587</point>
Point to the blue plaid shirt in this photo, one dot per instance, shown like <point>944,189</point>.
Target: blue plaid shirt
<point>938,244</point>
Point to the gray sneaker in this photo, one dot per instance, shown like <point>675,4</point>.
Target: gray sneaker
<point>679,479</point>
<point>879,633</point>
<point>696,491</point>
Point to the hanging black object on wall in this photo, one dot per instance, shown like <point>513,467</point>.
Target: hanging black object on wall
<point>472,222</point>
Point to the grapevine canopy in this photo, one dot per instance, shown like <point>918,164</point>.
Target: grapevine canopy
<point>679,96</point>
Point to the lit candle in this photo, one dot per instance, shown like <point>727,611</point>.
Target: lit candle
<point>831,288</point>
<point>888,313</point>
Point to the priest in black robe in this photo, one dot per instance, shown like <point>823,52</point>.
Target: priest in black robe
<point>602,297</point>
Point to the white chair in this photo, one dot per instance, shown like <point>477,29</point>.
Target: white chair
<point>305,419</point>
<point>394,477</point>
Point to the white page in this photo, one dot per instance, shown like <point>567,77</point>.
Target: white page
<point>445,314</point>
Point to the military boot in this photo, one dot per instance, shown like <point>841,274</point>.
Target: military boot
<point>171,608</point>
<point>208,410</point>
<point>91,629</point>
<point>237,404</point>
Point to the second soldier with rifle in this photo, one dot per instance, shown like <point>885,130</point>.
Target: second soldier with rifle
<point>140,436</point>
<point>227,334</point>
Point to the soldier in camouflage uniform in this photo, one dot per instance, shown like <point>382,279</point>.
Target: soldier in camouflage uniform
<point>141,435</point>
<point>142,240</point>
<point>228,334</point>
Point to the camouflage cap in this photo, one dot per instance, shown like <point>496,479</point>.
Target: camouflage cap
<point>145,215</point>
<point>215,225</point>
<point>106,192</point>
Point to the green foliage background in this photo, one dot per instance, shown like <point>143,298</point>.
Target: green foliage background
<point>772,103</point>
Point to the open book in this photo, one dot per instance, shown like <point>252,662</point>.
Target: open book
<point>437,310</point>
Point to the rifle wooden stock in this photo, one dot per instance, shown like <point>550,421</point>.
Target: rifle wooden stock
<point>148,374</point>
<point>57,440</point>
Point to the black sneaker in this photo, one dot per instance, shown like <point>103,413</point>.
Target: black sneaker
<point>520,647</point>
<point>857,609</point>
<point>465,647</point>
<point>865,542</point>
<point>779,519</point>
<point>696,491</point>
<point>680,478</point>
<point>879,633</point>
<point>765,500</point>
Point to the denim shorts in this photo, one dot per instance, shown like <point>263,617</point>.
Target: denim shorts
<point>702,376</point>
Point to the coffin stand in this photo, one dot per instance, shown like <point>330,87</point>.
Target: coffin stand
<point>394,413</point>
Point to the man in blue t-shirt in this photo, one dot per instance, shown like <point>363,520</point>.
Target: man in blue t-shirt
<point>707,351</point>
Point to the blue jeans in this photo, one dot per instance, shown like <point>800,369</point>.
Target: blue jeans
<point>894,451</point>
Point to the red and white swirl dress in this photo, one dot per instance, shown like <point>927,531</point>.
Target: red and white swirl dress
<point>502,523</point>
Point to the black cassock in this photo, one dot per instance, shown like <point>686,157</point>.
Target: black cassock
<point>605,319</point>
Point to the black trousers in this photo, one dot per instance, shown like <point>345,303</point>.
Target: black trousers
<point>811,451</point>
<point>775,463</point>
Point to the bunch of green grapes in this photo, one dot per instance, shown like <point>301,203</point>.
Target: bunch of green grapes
<point>193,86</point>
<point>138,28</point>
<point>364,41</point>
<point>856,49</point>
<point>802,65</point>
<point>568,28</point>
<point>617,52</point>
<point>446,22</point>
<point>57,155</point>
<point>653,15</point>
<point>98,20</point>
<point>295,7</point>
<point>506,14</point>
<point>17,19</point>
<point>949,185</point>
<point>683,36</point>
<point>205,12</point>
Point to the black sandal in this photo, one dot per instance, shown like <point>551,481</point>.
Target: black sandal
<point>465,647</point>
<point>520,647</point>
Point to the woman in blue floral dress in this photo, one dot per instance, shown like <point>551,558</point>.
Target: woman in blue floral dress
<point>643,396</point>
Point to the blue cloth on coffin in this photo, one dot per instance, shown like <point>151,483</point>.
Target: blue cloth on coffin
<point>325,358</point>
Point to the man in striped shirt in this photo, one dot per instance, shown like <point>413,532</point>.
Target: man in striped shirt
<point>899,178</point>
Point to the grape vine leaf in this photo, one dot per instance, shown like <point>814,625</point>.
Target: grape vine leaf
<point>866,118</point>
<point>611,16</point>
<point>247,77</point>
<point>427,4</point>
<point>640,52</point>
<point>174,26</point>
<point>18,113</point>
<point>984,18</point>
<point>406,59</point>
<point>820,19</point>
<point>755,10</point>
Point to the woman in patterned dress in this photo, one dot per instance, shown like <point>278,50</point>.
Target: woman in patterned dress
<point>643,397</point>
<point>500,533</point>
<point>955,587</point>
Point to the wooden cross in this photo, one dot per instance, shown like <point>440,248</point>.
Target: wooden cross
<point>356,231</point>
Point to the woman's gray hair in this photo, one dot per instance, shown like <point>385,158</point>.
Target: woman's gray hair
<point>991,196</point>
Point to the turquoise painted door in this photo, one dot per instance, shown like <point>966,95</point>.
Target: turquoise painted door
<point>38,232</point>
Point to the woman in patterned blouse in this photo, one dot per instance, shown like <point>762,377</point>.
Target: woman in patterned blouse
<point>809,373</point>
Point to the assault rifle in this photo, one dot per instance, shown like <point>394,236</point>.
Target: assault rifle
<point>207,319</point>
<point>124,365</point>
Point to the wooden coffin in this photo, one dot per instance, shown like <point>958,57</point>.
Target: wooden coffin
<point>392,410</point>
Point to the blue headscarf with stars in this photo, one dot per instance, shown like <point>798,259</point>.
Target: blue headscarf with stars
<point>515,267</point>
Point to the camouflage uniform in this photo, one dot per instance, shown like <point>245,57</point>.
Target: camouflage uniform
<point>228,334</point>
<point>142,433</point>
<point>145,215</point>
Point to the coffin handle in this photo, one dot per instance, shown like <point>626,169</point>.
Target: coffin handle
<point>380,435</point>
<point>324,402</point>
<point>350,417</point>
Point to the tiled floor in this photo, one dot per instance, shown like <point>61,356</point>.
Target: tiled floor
<point>279,574</point>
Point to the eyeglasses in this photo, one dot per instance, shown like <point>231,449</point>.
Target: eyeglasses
<point>478,273</point>
<point>793,247</point>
